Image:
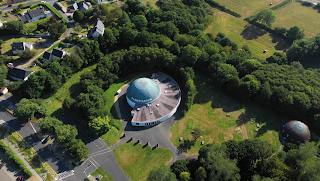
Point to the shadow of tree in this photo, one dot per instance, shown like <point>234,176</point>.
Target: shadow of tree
<point>252,32</point>
<point>282,44</point>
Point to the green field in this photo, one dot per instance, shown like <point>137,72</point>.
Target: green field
<point>295,14</point>
<point>106,176</point>
<point>33,25</point>
<point>248,7</point>
<point>10,17</point>
<point>242,33</point>
<point>209,113</point>
<point>137,160</point>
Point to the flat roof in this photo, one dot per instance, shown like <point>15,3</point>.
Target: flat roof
<point>167,102</point>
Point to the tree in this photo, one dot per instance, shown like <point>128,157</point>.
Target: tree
<point>224,72</point>
<point>78,29</point>
<point>196,133</point>
<point>68,104</point>
<point>191,54</point>
<point>185,176</point>
<point>295,33</point>
<point>87,26</point>
<point>248,66</point>
<point>78,150</point>
<point>49,124</point>
<point>66,133</point>
<point>179,166</point>
<point>27,107</point>
<point>161,173</point>
<point>140,22</point>
<point>200,174</point>
<point>278,58</point>
<point>27,54</point>
<point>99,125</point>
<point>56,30</point>
<point>14,27</point>
<point>78,16</point>
<point>266,16</point>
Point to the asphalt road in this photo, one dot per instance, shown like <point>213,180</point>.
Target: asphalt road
<point>4,176</point>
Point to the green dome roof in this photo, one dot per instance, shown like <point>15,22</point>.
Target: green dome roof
<point>143,91</point>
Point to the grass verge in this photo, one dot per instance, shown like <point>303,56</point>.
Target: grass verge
<point>106,176</point>
<point>138,160</point>
<point>113,135</point>
<point>32,157</point>
<point>295,14</point>
<point>243,33</point>
<point>209,113</point>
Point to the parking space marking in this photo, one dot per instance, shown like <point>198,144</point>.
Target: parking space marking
<point>33,127</point>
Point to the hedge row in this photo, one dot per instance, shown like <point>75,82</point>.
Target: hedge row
<point>11,156</point>
<point>223,8</point>
<point>278,6</point>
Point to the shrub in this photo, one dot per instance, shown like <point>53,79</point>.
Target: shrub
<point>223,8</point>
<point>278,6</point>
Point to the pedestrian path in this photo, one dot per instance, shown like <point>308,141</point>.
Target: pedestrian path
<point>20,155</point>
<point>64,174</point>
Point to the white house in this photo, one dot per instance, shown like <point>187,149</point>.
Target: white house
<point>34,15</point>
<point>21,46</point>
<point>1,24</point>
<point>97,30</point>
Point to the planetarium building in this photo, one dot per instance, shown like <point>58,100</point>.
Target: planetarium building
<point>153,100</point>
<point>295,132</point>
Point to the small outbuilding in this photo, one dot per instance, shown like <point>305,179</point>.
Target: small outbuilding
<point>295,132</point>
<point>3,90</point>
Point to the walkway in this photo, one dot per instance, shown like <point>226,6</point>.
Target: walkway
<point>20,155</point>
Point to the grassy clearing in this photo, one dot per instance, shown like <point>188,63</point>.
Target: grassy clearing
<point>137,161</point>
<point>106,176</point>
<point>33,25</point>
<point>32,157</point>
<point>10,17</point>
<point>209,113</point>
<point>113,135</point>
<point>295,14</point>
<point>70,89</point>
<point>248,7</point>
<point>242,33</point>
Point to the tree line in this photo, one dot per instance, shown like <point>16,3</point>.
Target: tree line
<point>253,159</point>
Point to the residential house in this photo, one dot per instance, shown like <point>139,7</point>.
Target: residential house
<point>20,47</point>
<point>19,74</point>
<point>75,5</point>
<point>47,56</point>
<point>1,24</point>
<point>84,6</point>
<point>97,30</point>
<point>99,1</point>
<point>3,90</point>
<point>34,15</point>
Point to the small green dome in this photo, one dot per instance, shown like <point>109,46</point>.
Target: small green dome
<point>143,91</point>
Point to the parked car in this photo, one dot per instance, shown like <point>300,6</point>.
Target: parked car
<point>9,5</point>
<point>43,1</point>
<point>21,177</point>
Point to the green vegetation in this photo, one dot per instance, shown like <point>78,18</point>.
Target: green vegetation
<point>114,133</point>
<point>211,108</point>
<point>247,7</point>
<point>243,33</point>
<point>137,160</point>
<point>32,157</point>
<point>33,25</point>
<point>106,176</point>
<point>11,156</point>
<point>10,17</point>
<point>295,14</point>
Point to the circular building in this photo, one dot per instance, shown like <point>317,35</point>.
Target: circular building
<point>153,100</point>
<point>295,132</point>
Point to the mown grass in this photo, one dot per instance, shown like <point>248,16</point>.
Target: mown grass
<point>106,176</point>
<point>33,25</point>
<point>113,135</point>
<point>243,33</point>
<point>248,7</point>
<point>295,14</point>
<point>209,113</point>
<point>137,160</point>
<point>33,158</point>
<point>10,17</point>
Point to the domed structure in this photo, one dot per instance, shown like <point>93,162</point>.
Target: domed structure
<point>153,100</point>
<point>143,91</point>
<point>295,132</point>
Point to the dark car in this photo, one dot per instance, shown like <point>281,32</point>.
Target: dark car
<point>46,140</point>
<point>9,5</point>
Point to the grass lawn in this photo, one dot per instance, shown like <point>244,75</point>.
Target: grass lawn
<point>242,33</point>
<point>106,176</point>
<point>295,14</point>
<point>9,18</point>
<point>113,135</point>
<point>209,113</point>
<point>6,46</point>
<point>32,157</point>
<point>70,89</point>
<point>33,25</point>
<point>137,161</point>
<point>248,7</point>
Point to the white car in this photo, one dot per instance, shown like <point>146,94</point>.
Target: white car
<point>43,1</point>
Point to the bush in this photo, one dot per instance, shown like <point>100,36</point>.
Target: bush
<point>278,6</point>
<point>223,8</point>
<point>11,156</point>
<point>307,3</point>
